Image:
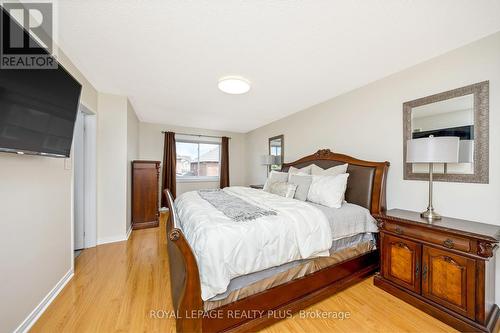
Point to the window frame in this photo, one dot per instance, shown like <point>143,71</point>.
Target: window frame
<point>195,179</point>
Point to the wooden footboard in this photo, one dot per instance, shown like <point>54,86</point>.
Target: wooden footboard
<point>184,276</point>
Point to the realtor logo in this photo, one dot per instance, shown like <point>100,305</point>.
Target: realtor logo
<point>26,36</point>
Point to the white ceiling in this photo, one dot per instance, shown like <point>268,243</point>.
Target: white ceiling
<point>167,56</point>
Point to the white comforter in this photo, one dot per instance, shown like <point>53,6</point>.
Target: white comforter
<point>226,249</point>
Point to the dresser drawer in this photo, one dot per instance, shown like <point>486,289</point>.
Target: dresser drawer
<point>431,236</point>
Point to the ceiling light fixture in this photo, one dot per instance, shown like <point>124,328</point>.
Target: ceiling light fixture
<point>234,85</point>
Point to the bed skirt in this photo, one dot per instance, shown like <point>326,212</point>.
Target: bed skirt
<point>306,267</point>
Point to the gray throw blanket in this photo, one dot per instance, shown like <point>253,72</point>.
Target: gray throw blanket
<point>234,207</point>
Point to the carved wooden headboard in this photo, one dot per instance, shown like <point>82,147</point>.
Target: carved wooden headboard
<point>366,183</point>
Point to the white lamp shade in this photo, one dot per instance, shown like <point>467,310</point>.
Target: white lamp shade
<point>466,151</point>
<point>267,159</point>
<point>443,149</point>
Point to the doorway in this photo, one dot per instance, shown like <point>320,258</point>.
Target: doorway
<point>84,169</point>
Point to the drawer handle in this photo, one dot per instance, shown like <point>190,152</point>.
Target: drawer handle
<point>417,269</point>
<point>451,261</point>
<point>404,246</point>
<point>399,231</point>
<point>424,273</point>
<point>448,243</point>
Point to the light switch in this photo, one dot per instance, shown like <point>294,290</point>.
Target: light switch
<point>67,164</point>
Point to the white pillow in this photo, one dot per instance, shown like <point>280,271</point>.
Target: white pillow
<point>328,190</point>
<point>305,171</point>
<point>274,177</point>
<point>295,171</point>
<point>283,189</point>
<point>333,171</point>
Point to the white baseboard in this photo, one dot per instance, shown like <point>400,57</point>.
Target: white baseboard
<point>111,239</point>
<point>40,309</point>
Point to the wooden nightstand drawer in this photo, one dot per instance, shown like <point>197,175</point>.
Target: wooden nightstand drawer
<point>448,241</point>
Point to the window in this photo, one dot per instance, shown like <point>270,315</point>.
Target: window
<point>197,160</point>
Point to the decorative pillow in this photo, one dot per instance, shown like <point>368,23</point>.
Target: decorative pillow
<point>328,190</point>
<point>284,189</point>
<point>275,176</point>
<point>294,171</point>
<point>303,183</point>
<point>333,171</point>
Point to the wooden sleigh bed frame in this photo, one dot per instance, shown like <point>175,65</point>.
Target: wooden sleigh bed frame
<point>366,187</point>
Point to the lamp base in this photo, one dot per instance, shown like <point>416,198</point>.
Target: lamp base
<point>430,215</point>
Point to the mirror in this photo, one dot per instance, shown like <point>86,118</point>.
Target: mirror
<point>451,117</point>
<point>276,148</point>
<point>461,112</point>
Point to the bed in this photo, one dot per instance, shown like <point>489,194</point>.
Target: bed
<point>246,302</point>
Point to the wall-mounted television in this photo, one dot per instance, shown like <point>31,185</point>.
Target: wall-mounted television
<point>38,108</point>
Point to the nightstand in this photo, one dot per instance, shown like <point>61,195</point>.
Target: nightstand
<point>445,268</point>
<point>258,187</point>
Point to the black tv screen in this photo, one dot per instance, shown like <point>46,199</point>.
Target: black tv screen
<point>38,109</point>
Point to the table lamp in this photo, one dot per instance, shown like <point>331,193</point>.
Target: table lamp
<point>432,150</point>
<point>267,160</point>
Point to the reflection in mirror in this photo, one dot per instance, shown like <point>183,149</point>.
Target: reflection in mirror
<point>276,148</point>
<point>451,117</point>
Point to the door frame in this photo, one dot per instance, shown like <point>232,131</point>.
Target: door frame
<point>90,178</point>
<point>78,159</point>
<point>90,181</point>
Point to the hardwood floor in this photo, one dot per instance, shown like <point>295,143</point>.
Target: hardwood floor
<point>116,286</point>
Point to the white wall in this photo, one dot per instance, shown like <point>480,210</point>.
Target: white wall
<point>132,154</point>
<point>35,196</point>
<point>111,168</point>
<point>151,148</point>
<point>117,145</point>
<point>368,123</point>
<point>35,201</point>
